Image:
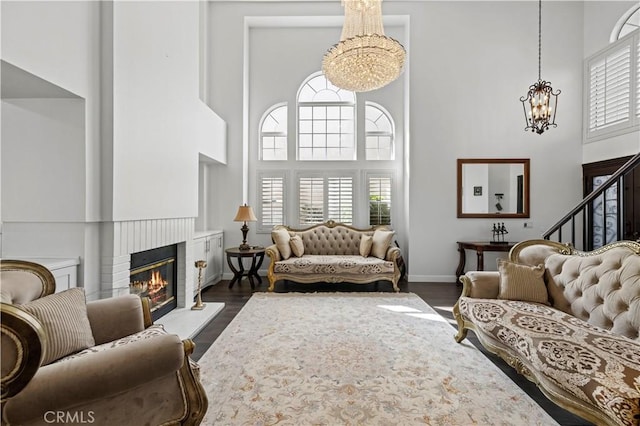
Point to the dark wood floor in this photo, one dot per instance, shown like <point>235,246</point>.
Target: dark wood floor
<point>440,296</point>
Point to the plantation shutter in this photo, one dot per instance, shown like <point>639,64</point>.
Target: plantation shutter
<point>311,191</point>
<point>609,88</point>
<point>340,199</point>
<point>271,202</point>
<point>379,201</point>
<point>638,77</point>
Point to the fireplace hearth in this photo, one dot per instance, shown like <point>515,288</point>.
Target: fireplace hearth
<point>153,274</point>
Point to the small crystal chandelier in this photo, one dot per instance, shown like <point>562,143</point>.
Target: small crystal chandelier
<point>540,104</point>
<point>365,59</point>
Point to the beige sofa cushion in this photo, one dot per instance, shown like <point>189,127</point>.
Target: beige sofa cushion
<point>522,282</point>
<point>365,245</point>
<point>381,242</point>
<point>297,247</point>
<point>64,319</point>
<point>282,237</point>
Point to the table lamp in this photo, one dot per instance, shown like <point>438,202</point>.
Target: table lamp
<point>245,214</point>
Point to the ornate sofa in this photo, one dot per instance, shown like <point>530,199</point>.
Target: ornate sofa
<point>333,252</point>
<point>68,362</point>
<point>571,325</point>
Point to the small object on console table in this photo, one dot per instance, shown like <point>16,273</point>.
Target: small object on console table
<point>498,232</point>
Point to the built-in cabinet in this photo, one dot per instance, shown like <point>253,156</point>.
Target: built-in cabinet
<point>209,246</point>
<point>65,271</point>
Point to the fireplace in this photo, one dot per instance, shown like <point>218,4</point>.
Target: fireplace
<point>153,274</point>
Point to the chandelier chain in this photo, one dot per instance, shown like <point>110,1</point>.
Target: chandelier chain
<point>539,39</point>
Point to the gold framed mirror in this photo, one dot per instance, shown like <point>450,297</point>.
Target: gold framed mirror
<point>493,187</point>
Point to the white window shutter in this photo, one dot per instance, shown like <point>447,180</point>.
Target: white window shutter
<point>379,200</point>
<point>610,89</point>
<point>311,193</point>
<point>340,199</point>
<point>638,76</point>
<point>271,201</point>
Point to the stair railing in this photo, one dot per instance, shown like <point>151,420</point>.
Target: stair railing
<point>578,216</point>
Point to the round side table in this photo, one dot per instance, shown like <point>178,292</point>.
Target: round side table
<point>256,255</point>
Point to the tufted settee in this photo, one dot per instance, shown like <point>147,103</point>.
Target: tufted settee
<point>331,252</point>
<point>581,345</point>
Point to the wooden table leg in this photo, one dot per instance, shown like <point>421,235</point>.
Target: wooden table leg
<point>252,272</point>
<point>463,260</point>
<point>237,274</point>
<point>480,265</point>
<point>255,271</point>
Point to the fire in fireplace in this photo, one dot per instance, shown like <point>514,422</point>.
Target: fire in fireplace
<point>154,274</point>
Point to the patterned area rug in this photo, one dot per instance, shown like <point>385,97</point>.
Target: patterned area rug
<point>354,359</point>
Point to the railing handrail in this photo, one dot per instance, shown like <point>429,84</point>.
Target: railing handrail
<point>633,162</point>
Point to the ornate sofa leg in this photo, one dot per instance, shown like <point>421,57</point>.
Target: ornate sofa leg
<point>195,394</point>
<point>462,330</point>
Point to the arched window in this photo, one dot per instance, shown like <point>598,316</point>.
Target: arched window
<point>273,133</point>
<point>379,131</point>
<point>326,121</point>
<point>627,23</point>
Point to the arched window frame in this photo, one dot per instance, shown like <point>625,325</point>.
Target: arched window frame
<point>326,121</point>
<point>373,149</point>
<point>279,135</point>
<point>625,24</point>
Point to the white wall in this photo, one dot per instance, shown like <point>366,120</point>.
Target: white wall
<point>56,140</point>
<point>43,160</point>
<point>135,68</point>
<point>155,105</point>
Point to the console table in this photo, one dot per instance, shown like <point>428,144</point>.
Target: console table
<point>480,247</point>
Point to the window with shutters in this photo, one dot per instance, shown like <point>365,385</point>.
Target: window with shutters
<point>324,171</point>
<point>271,196</point>
<point>325,196</point>
<point>613,89</point>
<point>273,133</point>
<point>379,196</point>
<point>378,133</point>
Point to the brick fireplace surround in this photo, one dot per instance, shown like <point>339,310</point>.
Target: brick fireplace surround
<point>120,239</point>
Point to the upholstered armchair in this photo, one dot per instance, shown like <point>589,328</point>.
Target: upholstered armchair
<point>65,361</point>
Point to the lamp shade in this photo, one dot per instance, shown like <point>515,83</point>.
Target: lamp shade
<point>245,214</point>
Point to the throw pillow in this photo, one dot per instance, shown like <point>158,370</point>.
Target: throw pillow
<point>522,282</point>
<point>64,319</point>
<point>297,247</point>
<point>366,242</point>
<point>281,237</point>
<point>380,243</point>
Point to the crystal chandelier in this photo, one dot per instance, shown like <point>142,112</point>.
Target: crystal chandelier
<point>365,59</point>
<point>540,103</point>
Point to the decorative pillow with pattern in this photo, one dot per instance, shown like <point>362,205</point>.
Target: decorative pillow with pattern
<point>522,282</point>
<point>297,246</point>
<point>64,319</point>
